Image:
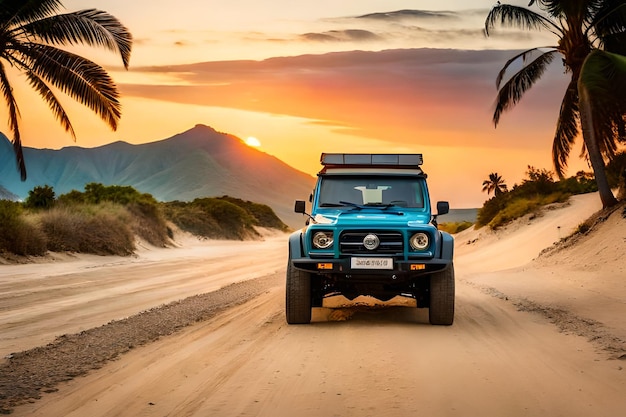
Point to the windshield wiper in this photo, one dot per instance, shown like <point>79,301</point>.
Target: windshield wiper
<point>353,205</point>
<point>332,205</point>
<point>381,206</point>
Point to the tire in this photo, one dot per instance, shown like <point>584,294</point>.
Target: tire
<point>441,311</point>
<point>298,296</point>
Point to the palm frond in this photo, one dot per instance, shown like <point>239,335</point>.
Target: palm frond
<point>53,103</point>
<point>609,25</point>
<point>18,12</point>
<point>513,90</point>
<point>91,27</point>
<point>14,115</point>
<point>567,128</point>
<point>514,16</point>
<point>524,57</point>
<point>83,80</point>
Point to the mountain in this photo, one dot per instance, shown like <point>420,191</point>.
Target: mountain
<point>7,195</point>
<point>200,162</point>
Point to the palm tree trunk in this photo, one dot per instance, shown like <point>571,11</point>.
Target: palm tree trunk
<point>595,156</point>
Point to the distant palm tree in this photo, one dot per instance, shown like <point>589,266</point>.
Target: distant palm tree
<point>495,183</point>
<point>581,26</point>
<point>30,31</point>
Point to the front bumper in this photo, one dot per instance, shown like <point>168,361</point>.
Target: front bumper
<point>344,266</point>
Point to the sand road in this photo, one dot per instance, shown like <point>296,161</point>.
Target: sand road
<point>246,361</point>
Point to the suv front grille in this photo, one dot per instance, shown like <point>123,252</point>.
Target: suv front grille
<point>391,243</point>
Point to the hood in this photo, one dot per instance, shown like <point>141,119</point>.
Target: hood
<point>369,217</point>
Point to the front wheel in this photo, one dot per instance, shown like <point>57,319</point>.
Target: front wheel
<point>441,311</point>
<point>298,296</point>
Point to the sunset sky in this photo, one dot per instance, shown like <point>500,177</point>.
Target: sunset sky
<point>306,77</point>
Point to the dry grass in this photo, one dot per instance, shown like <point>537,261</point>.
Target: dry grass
<point>111,227</point>
<point>102,229</point>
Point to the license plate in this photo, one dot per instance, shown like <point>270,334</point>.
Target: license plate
<point>371,263</point>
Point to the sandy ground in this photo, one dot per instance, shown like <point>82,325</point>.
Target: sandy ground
<point>541,337</point>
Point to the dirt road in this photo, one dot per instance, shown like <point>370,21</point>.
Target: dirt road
<point>41,301</point>
<point>494,361</point>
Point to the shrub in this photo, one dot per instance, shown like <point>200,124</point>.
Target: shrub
<point>40,197</point>
<point>263,215</point>
<point>214,218</point>
<point>537,190</point>
<point>455,227</point>
<point>73,197</point>
<point>18,234</point>
<point>513,210</point>
<point>192,219</point>
<point>518,207</point>
<point>234,221</point>
<point>102,230</point>
<point>491,208</point>
<point>148,222</point>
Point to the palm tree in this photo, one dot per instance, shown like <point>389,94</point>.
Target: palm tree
<point>30,33</point>
<point>602,89</point>
<point>581,26</point>
<point>495,183</point>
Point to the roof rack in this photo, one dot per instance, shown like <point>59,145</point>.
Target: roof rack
<point>361,159</point>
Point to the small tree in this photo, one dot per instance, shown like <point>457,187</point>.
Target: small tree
<point>40,197</point>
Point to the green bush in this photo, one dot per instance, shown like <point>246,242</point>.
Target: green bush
<point>515,209</point>
<point>455,227</point>
<point>491,208</point>
<point>518,207</point>
<point>537,190</point>
<point>40,197</point>
<point>73,197</point>
<point>192,219</point>
<point>263,215</point>
<point>221,218</point>
<point>234,221</point>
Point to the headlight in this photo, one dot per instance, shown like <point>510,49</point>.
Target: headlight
<point>419,241</point>
<point>323,240</point>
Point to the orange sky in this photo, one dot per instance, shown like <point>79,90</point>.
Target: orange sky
<point>324,80</point>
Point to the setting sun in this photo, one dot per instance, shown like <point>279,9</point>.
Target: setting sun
<point>252,141</point>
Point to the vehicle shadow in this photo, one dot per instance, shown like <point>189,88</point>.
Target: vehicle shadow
<point>369,314</point>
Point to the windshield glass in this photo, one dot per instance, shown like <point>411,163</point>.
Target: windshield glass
<point>401,191</point>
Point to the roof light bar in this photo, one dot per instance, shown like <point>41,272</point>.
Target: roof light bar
<point>360,159</point>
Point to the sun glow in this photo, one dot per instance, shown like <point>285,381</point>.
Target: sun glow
<point>253,142</point>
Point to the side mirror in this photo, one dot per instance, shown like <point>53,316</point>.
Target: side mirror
<point>300,207</point>
<point>443,207</point>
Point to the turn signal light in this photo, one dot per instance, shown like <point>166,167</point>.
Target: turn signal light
<point>324,266</point>
<point>417,267</point>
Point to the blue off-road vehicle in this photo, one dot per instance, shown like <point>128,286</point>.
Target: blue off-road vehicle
<point>371,232</point>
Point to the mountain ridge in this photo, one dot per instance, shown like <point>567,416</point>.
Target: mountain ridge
<point>199,162</point>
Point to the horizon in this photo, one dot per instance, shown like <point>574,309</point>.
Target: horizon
<point>302,79</point>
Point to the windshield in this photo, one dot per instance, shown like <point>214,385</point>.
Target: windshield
<point>401,191</point>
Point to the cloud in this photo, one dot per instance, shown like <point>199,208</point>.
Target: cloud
<point>439,96</point>
<point>402,15</point>
<point>347,35</point>
<point>418,28</point>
